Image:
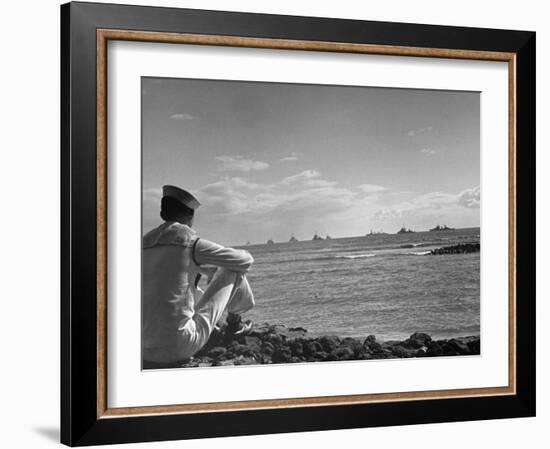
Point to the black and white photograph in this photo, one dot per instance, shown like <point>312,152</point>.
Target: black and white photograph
<point>297,223</point>
<point>283,222</point>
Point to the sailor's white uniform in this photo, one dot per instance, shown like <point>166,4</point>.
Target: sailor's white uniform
<point>178,317</point>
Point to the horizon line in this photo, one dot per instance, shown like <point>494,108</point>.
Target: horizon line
<point>339,238</point>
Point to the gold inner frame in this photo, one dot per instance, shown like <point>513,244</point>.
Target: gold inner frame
<point>104,35</point>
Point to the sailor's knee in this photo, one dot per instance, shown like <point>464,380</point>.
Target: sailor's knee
<point>224,273</point>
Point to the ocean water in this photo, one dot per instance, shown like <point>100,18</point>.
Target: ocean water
<point>386,285</point>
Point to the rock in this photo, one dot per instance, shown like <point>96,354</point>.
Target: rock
<point>260,330</point>
<point>281,356</point>
<point>266,344</point>
<point>363,356</point>
<point>267,348</point>
<point>238,349</point>
<point>297,348</point>
<point>461,248</point>
<point>321,355</point>
<point>447,348</point>
<point>458,346</point>
<point>474,347</point>
<point>245,361</point>
<point>292,333</point>
<point>383,354</point>
<point>329,343</point>
<point>274,339</point>
<point>377,348</point>
<point>344,353</point>
<point>204,359</point>
<point>417,340</point>
<point>311,348</point>
<point>469,339</point>
<point>223,363</point>
<point>217,352</point>
<point>352,343</point>
<point>265,359</point>
<point>190,364</point>
<point>370,340</point>
<point>434,349</point>
<point>363,352</point>
<point>401,351</point>
<point>371,344</point>
<point>251,341</point>
<point>421,352</point>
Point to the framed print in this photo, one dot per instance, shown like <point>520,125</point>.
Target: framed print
<point>281,224</point>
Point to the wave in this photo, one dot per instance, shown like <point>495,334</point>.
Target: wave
<point>421,244</point>
<point>419,253</point>
<point>356,256</point>
<point>319,259</point>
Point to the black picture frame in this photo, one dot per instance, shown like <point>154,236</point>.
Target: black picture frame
<point>81,424</point>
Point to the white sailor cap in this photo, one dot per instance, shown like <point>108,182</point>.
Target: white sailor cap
<point>181,195</point>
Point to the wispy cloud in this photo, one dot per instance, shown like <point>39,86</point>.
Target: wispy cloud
<point>301,177</point>
<point>182,117</point>
<point>370,189</point>
<point>238,163</point>
<point>151,207</point>
<point>305,191</point>
<point>422,208</point>
<point>292,157</point>
<point>428,151</point>
<point>416,132</point>
<point>470,198</point>
<point>152,194</point>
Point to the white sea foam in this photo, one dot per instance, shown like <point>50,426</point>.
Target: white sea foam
<point>358,256</point>
<point>419,253</point>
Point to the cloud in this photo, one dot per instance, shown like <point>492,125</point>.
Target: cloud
<point>421,210</point>
<point>235,183</point>
<point>151,207</point>
<point>421,203</point>
<point>470,198</point>
<point>182,117</point>
<point>306,191</point>
<point>292,157</point>
<point>387,214</point>
<point>301,177</point>
<point>428,151</point>
<point>370,189</point>
<point>416,132</point>
<point>152,194</point>
<point>307,179</point>
<point>435,200</point>
<point>238,163</point>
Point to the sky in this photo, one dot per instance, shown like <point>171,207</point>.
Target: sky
<point>272,160</point>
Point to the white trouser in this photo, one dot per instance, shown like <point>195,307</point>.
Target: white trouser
<point>227,290</point>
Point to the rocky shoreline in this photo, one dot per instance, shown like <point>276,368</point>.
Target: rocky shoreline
<point>271,344</point>
<point>461,248</point>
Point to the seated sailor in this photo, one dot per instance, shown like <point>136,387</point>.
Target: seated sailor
<point>177,316</point>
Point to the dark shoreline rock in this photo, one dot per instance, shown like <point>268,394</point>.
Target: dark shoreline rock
<point>274,344</point>
<point>461,248</point>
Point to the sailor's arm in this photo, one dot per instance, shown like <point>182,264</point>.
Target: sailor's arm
<point>206,252</point>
